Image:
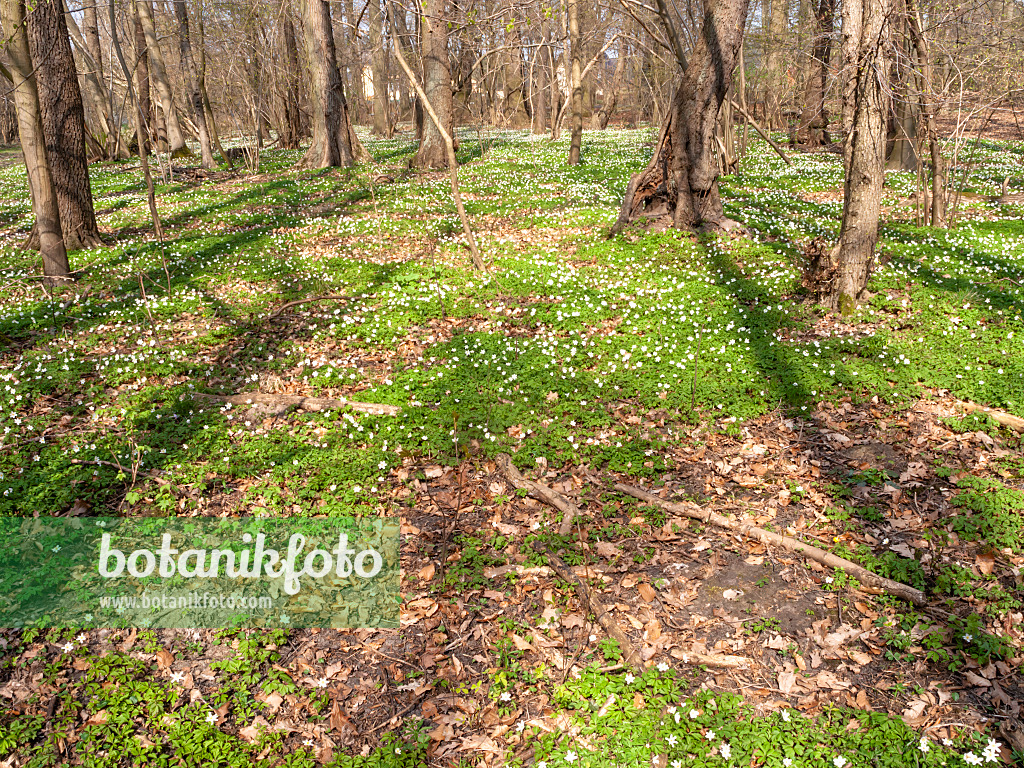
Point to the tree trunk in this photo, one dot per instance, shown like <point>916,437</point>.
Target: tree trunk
<point>161,84</point>
<point>211,121</point>
<point>191,76</point>
<point>775,63</point>
<point>603,115</point>
<point>145,110</point>
<point>680,185</point>
<point>292,136</point>
<point>814,119</point>
<point>33,144</point>
<point>865,33</point>
<point>94,93</point>
<point>540,88</point>
<point>378,73</point>
<point>332,132</point>
<point>929,113</point>
<point>60,102</point>
<point>437,85</point>
<point>575,84</point>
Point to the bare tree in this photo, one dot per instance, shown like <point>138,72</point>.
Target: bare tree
<point>33,145</point>
<point>334,141</point>
<point>680,185</point>
<point>865,46</point>
<point>437,85</point>
<point>60,102</point>
<point>160,82</point>
<point>191,74</point>
<point>814,117</point>
<point>575,82</point>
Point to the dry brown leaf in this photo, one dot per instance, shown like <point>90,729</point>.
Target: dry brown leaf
<point>787,682</point>
<point>164,658</point>
<point>986,562</point>
<point>647,592</point>
<point>427,572</point>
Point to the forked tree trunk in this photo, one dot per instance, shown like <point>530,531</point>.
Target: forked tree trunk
<point>191,75</point>
<point>60,102</point>
<point>437,85</point>
<point>680,185</point>
<point>161,84</point>
<point>334,142</point>
<point>575,82</point>
<point>814,118</point>
<point>292,135</point>
<point>865,43</point>
<point>30,128</point>
<point>600,118</point>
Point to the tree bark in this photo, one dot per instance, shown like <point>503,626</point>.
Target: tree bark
<point>292,135</point>
<point>144,114</point>
<point>46,234</point>
<point>437,85</point>
<point>161,83</point>
<point>814,118</point>
<point>929,113</point>
<point>98,112</point>
<point>378,73</point>
<point>191,75</point>
<point>865,33</point>
<point>540,87</point>
<point>680,185</point>
<point>575,82</point>
<point>333,137</point>
<point>211,121</point>
<point>60,102</point>
<point>33,144</point>
<point>775,63</point>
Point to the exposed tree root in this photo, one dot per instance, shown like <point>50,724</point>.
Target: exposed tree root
<point>305,403</point>
<point>862,575</point>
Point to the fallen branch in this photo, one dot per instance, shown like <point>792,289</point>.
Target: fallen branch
<point>1016,423</point>
<point>540,491</point>
<point>283,307</point>
<point>305,403</point>
<point>796,546</point>
<point>629,653</point>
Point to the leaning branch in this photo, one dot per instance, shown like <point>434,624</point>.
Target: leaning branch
<point>796,546</point>
<point>305,403</point>
<point>1016,423</point>
<point>761,132</point>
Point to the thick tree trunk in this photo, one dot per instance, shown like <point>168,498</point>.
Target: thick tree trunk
<point>145,110</point>
<point>865,39</point>
<point>191,75</point>
<point>333,137</point>
<point>814,118</point>
<point>211,122</point>
<point>437,85</point>
<point>60,102</point>
<point>575,84</point>
<point>292,135</point>
<point>161,83</point>
<point>33,144</point>
<point>378,73</point>
<point>680,185</point>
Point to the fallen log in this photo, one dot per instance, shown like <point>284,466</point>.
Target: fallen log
<point>1016,423</point>
<point>863,575</point>
<point>540,491</point>
<point>305,403</point>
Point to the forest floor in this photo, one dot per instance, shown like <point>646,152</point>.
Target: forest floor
<point>694,367</point>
